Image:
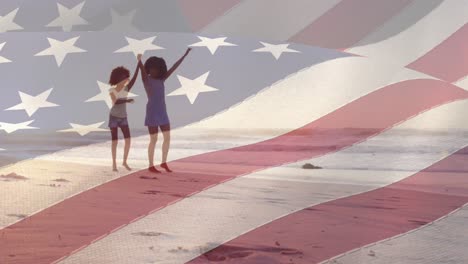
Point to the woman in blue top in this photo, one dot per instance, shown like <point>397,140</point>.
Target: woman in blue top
<point>154,73</point>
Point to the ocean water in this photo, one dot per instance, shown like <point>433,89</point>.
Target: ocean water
<point>408,143</point>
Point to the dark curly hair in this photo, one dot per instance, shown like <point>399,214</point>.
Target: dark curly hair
<point>118,74</point>
<point>156,63</point>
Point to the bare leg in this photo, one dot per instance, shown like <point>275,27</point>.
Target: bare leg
<point>126,151</point>
<point>165,147</point>
<point>126,132</point>
<point>114,148</point>
<point>114,154</point>
<point>152,145</point>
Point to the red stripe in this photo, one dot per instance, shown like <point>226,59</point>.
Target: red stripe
<point>449,60</point>
<point>73,223</point>
<point>323,231</point>
<point>200,13</point>
<point>348,22</point>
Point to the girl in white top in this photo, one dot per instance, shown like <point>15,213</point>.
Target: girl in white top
<point>121,85</point>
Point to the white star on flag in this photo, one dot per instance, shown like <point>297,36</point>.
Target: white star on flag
<point>84,130</point>
<point>275,50</point>
<point>6,22</point>
<point>10,127</point>
<point>68,17</point>
<point>212,43</point>
<point>122,23</point>
<point>3,59</point>
<point>32,103</point>
<point>60,49</point>
<point>103,95</point>
<point>139,46</point>
<point>191,88</point>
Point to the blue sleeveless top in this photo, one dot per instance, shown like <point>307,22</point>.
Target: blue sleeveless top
<point>156,113</point>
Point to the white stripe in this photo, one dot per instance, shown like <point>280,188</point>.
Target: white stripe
<point>310,94</point>
<point>269,19</point>
<point>443,241</point>
<point>418,39</point>
<point>463,83</point>
<point>86,167</point>
<point>201,222</point>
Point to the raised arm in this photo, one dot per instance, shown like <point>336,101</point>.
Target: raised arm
<point>177,64</point>
<point>144,74</point>
<point>135,75</point>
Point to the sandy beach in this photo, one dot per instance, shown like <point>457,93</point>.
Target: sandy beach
<point>162,237</point>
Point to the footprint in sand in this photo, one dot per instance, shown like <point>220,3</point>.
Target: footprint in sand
<point>61,180</point>
<point>152,192</point>
<point>178,249</point>
<point>147,234</point>
<point>251,255</point>
<point>189,180</point>
<point>309,166</point>
<point>53,185</point>
<point>148,178</point>
<point>19,216</point>
<point>13,177</point>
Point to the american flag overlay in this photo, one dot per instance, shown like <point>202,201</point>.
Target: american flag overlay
<point>302,131</point>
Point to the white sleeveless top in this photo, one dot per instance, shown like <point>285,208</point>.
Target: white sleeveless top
<point>119,110</point>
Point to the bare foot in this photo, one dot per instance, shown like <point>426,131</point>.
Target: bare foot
<point>114,168</point>
<point>164,166</point>
<point>126,166</point>
<point>153,169</point>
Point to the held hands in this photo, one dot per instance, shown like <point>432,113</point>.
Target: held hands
<point>139,56</point>
<point>131,100</point>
